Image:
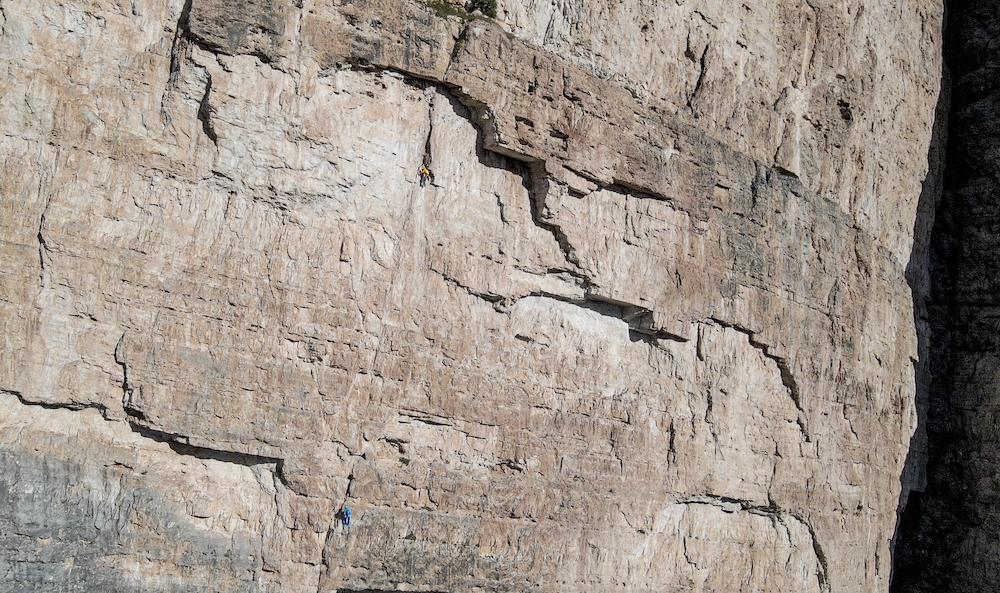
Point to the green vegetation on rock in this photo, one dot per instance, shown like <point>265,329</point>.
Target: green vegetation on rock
<point>487,7</point>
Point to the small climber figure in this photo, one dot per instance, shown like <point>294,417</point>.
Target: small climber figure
<point>345,516</point>
<point>425,175</point>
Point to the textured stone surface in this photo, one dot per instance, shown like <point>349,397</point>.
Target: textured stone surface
<point>949,535</point>
<point>99,507</point>
<point>803,85</point>
<point>636,334</point>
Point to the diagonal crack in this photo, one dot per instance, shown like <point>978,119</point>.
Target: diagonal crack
<point>787,378</point>
<point>702,68</point>
<point>489,297</point>
<point>180,33</point>
<point>120,361</point>
<point>178,49</point>
<point>772,510</point>
<point>180,444</point>
<point>824,568</point>
<point>43,248</point>
<point>538,183</point>
<point>175,441</point>
<point>538,187</point>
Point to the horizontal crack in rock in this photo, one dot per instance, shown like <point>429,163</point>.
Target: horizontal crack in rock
<point>72,406</point>
<point>178,443</point>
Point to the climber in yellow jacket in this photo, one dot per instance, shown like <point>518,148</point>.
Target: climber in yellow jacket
<point>425,175</point>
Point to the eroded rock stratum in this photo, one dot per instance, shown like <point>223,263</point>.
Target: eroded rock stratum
<point>647,328</point>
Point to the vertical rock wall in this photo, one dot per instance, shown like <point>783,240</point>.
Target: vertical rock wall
<point>950,536</point>
<point>646,329</point>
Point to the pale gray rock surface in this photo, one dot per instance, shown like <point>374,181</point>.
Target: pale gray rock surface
<point>644,330</point>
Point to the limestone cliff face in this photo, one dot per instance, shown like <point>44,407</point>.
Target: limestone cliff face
<point>646,329</point>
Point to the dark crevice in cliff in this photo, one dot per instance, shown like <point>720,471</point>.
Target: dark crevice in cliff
<point>489,297</point>
<point>428,156</point>
<point>824,568</point>
<point>532,174</point>
<point>535,177</point>
<point>702,69</point>
<point>43,246</point>
<point>119,355</point>
<point>180,51</point>
<point>205,111</point>
<point>729,504</point>
<point>538,187</point>
<point>637,318</point>
<point>538,183</point>
<point>945,535</point>
<point>42,250</point>
<point>72,406</point>
<point>180,31</point>
<point>179,444</point>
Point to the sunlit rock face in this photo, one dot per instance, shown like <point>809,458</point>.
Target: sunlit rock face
<point>645,327</point>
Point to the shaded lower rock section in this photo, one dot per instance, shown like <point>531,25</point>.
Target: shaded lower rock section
<point>90,505</point>
<point>949,534</point>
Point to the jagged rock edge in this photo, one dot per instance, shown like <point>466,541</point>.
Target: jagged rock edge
<point>178,443</point>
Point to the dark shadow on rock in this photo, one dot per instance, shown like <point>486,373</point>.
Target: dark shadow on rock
<point>906,550</point>
<point>945,534</point>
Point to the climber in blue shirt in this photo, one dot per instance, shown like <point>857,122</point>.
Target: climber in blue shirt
<point>346,517</point>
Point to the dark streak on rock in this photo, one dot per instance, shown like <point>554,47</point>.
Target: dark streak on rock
<point>205,111</point>
<point>73,406</point>
<point>180,34</point>
<point>702,68</point>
